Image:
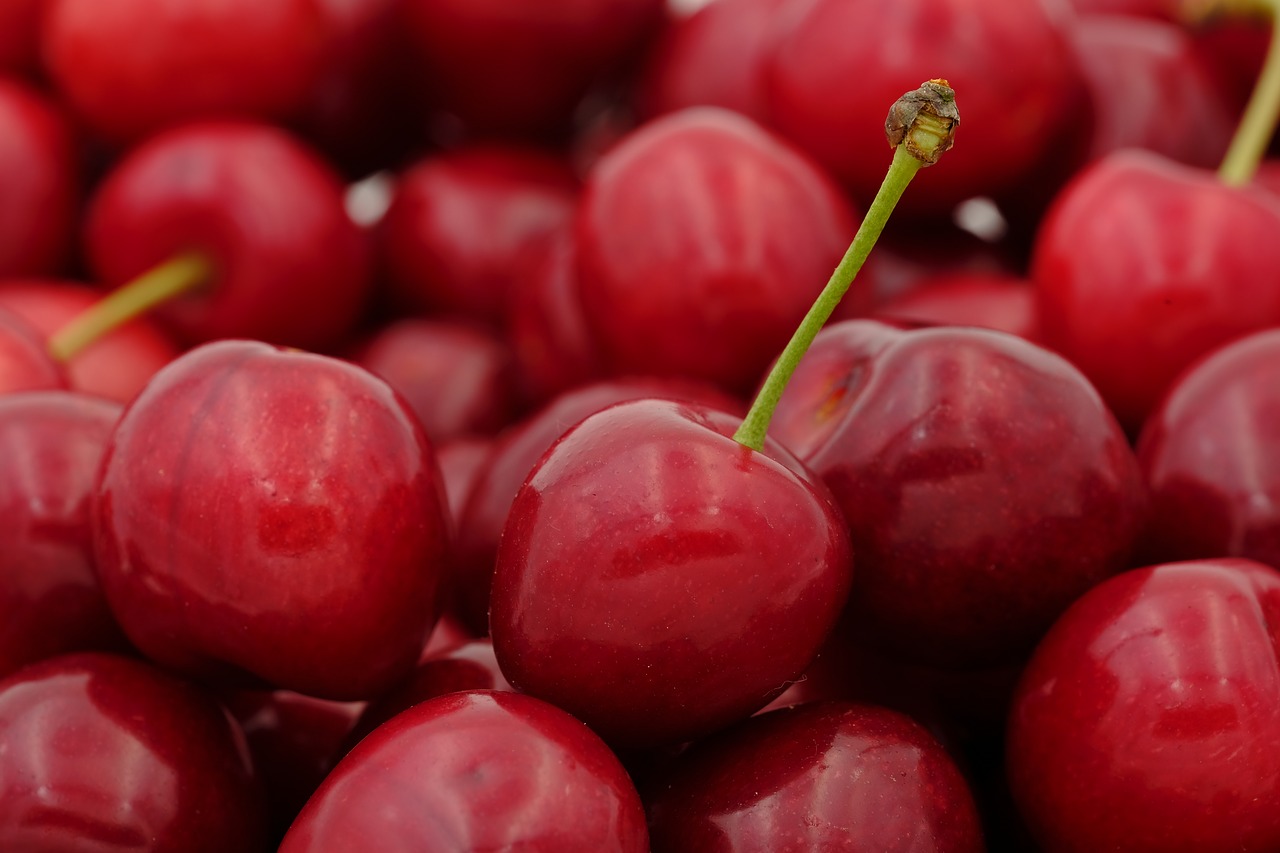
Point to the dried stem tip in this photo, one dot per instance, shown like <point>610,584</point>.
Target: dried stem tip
<point>924,121</point>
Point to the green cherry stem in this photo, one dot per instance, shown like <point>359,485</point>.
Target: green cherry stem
<point>1258,124</point>
<point>921,125</point>
<point>178,275</point>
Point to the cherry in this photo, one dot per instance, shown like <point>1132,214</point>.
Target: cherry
<point>463,226</point>
<point>1143,265</point>
<point>50,445</point>
<point>186,61</point>
<point>20,36</point>
<point>1210,454</point>
<point>115,366</point>
<point>39,179</point>
<point>504,67</point>
<point>475,771</point>
<point>461,461</point>
<point>824,776</point>
<point>458,379</point>
<point>514,455</point>
<point>714,57</point>
<point>272,513</point>
<point>990,300</point>
<point>660,581</point>
<point>25,364</point>
<point>99,752</point>
<point>245,223</point>
<point>734,223</point>
<point>985,484</point>
<point>1149,717</point>
<point>1012,57</point>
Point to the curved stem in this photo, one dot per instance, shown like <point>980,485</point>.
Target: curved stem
<point>175,276</point>
<point>1258,124</point>
<point>756,424</point>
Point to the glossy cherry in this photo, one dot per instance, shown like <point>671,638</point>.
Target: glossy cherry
<point>463,227</point>
<point>115,366</point>
<point>39,183</point>
<point>1142,265</point>
<point>51,443</point>
<point>105,753</point>
<point>186,61</point>
<point>1210,454</point>
<point>702,240</point>
<point>513,457</point>
<point>475,771</point>
<point>985,484</point>
<point>1149,717</point>
<point>659,580</point>
<point>263,214</point>
<point>824,776</point>
<point>273,513</point>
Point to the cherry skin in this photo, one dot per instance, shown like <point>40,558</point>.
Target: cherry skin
<point>457,378</point>
<point>463,226</point>
<point>714,57</point>
<point>1010,58</point>
<point>272,513</point>
<point>115,366</point>
<point>186,61</point>
<point>25,363</point>
<point>104,753</point>
<point>1149,717</point>
<point>1142,265</point>
<point>513,457</point>
<point>475,771</point>
<point>659,580</point>
<point>824,776</point>
<point>505,68</point>
<point>289,265</point>
<point>20,22</point>
<point>1210,455</point>
<point>985,484</point>
<point>989,300</point>
<point>50,445</point>
<point>701,242</point>
<point>39,183</point>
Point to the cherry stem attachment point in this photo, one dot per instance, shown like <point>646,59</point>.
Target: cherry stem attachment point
<point>1258,124</point>
<point>921,125</point>
<point>178,275</point>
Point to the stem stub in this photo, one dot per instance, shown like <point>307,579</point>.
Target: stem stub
<point>924,121</point>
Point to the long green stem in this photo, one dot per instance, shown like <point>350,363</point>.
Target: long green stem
<point>178,275</point>
<point>756,424</point>
<point>1258,124</point>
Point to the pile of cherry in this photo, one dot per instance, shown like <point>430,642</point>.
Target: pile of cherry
<point>410,514</point>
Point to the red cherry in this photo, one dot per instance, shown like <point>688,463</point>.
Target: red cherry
<point>1149,717</point>
<point>659,580</point>
<point>463,227</point>
<point>261,209</point>
<point>20,36</point>
<point>51,443</point>
<point>99,752</point>
<point>1211,457</point>
<point>825,776</point>
<point>985,484</point>
<point>1143,265</point>
<point>115,366</point>
<point>275,513</point>
<point>475,771</point>
<point>184,61</point>
<point>39,184</point>
<point>702,240</point>
<point>988,300</point>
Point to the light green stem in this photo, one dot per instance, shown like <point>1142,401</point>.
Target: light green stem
<point>1258,124</point>
<point>756,424</point>
<point>178,275</point>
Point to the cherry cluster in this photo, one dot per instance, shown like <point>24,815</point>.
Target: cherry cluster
<point>424,426</point>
